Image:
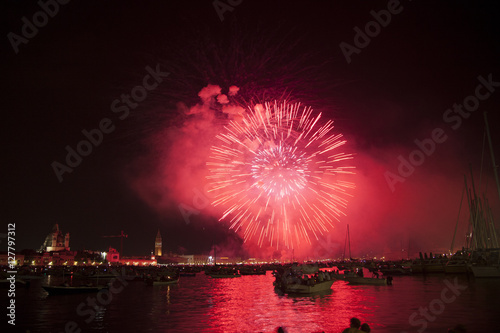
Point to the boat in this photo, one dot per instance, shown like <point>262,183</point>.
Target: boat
<point>482,240</point>
<point>458,263</point>
<point>429,264</point>
<point>417,266</point>
<point>67,290</point>
<point>369,280</point>
<point>318,287</point>
<point>353,278</point>
<point>395,269</point>
<point>221,272</point>
<point>161,280</point>
<point>435,265</point>
<point>222,276</point>
<point>249,270</point>
<point>456,266</point>
<point>486,271</point>
<point>485,263</point>
<point>304,279</point>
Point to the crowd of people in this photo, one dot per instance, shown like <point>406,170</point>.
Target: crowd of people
<point>291,276</point>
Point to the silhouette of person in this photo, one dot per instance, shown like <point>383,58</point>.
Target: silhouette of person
<point>354,327</point>
<point>365,328</point>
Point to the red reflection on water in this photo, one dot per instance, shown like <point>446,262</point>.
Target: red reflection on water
<point>249,304</point>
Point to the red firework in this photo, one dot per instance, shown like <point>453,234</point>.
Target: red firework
<point>279,173</point>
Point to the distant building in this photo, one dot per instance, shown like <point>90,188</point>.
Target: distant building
<point>4,259</point>
<point>55,241</point>
<point>138,261</point>
<point>113,256</point>
<point>158,245</point>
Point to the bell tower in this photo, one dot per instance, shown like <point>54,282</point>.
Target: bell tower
<point>158,245</point>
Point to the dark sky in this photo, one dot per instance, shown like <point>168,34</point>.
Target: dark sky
<point>65,77</point>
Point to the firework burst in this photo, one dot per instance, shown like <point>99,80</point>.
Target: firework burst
<point>278,172</point>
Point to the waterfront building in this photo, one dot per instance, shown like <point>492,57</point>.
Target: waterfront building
<point>4,259</point>
<point>56,241</point>
<point>113,258</point>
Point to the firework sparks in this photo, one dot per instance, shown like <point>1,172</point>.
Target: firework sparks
<point>279,174</point>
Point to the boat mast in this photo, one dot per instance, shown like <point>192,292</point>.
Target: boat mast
<point>345,243</point>
<point>495,167</point>
<point>349,236</point>
<point>471,242</point>
<point>458,218</point>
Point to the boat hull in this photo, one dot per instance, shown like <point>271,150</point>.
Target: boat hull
<point>224,276</point>
<point>364,280</point>
<point>486,271</point>
<point>161,283</point>
<point>306,289</point>
<point>455,268</point>
<point>434,268</point>
<point>62,290</point>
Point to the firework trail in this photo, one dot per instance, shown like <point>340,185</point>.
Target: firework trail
<point>278,172</point>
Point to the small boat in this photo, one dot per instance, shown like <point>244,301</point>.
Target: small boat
<point>302,280</point>
<point>485,263</point>
<point>217,272</point>
<point>67,290</point>
<point>368,280</point>
<point>353,278</point>
<point>163,280</point>
<point>395,270</point>
<point>486,271</point>
<point>223,276</point>
<point>417,266</point>
<point>455,266</point>
<point>252,271</point>
<point>295,288</point>
<point>435,265</point>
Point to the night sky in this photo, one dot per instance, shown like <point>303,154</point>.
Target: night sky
<point>389,91</point>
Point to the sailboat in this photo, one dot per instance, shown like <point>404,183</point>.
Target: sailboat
<point>221,271</point>
<point>483,242</point>
<point>353,274</point>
